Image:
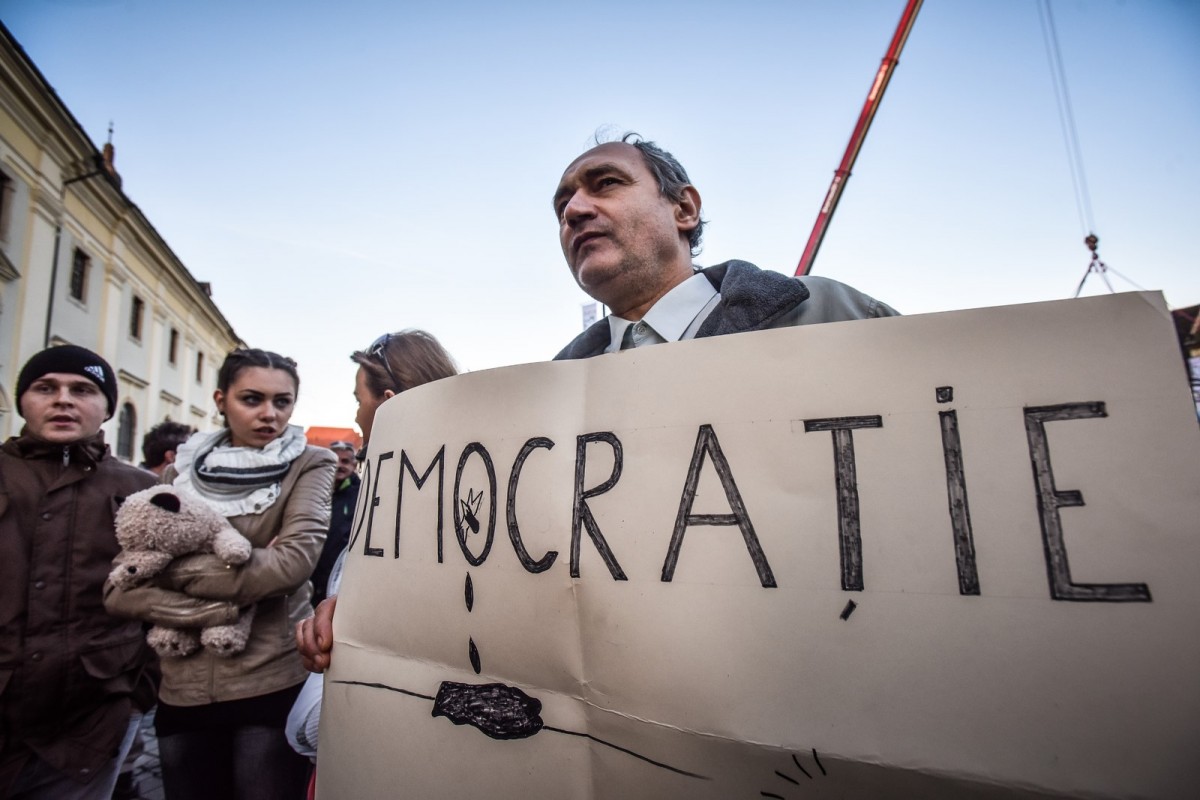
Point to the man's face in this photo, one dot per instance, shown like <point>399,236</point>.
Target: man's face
<point>620,236</point>
<point>257,406</point>
<point>61,408</point>
<point>345,465</point>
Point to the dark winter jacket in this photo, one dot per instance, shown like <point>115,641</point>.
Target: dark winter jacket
<point>70,673</point>
<point>345,498</point>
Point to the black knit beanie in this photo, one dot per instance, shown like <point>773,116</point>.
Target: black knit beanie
<point>73,360</point>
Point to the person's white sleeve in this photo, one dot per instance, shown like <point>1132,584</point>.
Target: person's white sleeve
<point>305,717</point>
<point>335,573</point>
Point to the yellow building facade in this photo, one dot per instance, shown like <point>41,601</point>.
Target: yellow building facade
<point>80,263</point>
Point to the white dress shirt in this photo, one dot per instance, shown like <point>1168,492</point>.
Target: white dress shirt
<point>676,316</point>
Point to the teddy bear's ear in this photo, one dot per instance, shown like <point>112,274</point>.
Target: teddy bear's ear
<point>166,501</point>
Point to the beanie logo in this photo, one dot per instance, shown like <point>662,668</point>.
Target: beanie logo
<point>96,371</point>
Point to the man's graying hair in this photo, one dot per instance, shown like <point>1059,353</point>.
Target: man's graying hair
<point>669,173</point>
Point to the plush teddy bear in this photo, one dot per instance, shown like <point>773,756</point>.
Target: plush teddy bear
<point>159,524</point>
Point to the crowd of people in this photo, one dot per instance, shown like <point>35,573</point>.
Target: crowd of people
<point>76,673</point>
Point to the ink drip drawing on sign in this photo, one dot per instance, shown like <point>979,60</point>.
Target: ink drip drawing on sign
<point>499,711</point>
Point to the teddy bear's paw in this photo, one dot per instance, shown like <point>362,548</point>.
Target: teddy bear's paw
<point>231,547</point>
<point>223,640</point>
<point>170,643</point>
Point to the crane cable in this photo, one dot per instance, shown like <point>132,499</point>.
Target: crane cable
<point>1066,119</point>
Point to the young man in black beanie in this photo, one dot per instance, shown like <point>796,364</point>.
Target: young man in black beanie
<point>72,678</point>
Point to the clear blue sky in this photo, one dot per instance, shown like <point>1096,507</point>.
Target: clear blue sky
<point>341,169</point>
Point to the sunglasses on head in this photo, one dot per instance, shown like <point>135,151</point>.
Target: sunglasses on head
<point>343,446</point>
<point>378,351</point>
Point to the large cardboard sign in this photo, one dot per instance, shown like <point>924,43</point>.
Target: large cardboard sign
<point>946,555</point>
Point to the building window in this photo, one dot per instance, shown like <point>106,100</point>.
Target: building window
<point>6,203</point>
<point>173,347</point>
<point>135,318</point>
<point>79,275</point>
<point>126,424</point>
<point>199,367</point>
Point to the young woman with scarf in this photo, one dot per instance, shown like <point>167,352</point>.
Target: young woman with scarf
<point>220,720</point>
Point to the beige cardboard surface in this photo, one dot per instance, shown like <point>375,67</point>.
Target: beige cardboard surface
<point>781,658</point>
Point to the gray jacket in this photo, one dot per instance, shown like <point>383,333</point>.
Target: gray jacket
<point>754,299</point>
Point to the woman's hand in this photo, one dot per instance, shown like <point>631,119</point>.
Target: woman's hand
<point>314,637</point>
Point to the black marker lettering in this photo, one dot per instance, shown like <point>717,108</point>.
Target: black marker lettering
<point>1050,500</point>
<point>707,444</point>
<point>960,511</point>
<point>406,465</point>
<point>460,512</point>
<point>581,516</point>
<point>367,549</point>
<point>360,513</point>
<point>849,529</point>
<point>514,532</point>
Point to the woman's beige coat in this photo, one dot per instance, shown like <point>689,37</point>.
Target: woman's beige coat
<point>287,540</point>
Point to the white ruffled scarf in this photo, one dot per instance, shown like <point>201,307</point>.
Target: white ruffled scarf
<point>236,480</point>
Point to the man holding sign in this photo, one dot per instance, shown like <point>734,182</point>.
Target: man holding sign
<point>629,224</point>
<point>946,555</point>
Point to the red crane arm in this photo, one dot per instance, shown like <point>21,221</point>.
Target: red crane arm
<point>874,97</point>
